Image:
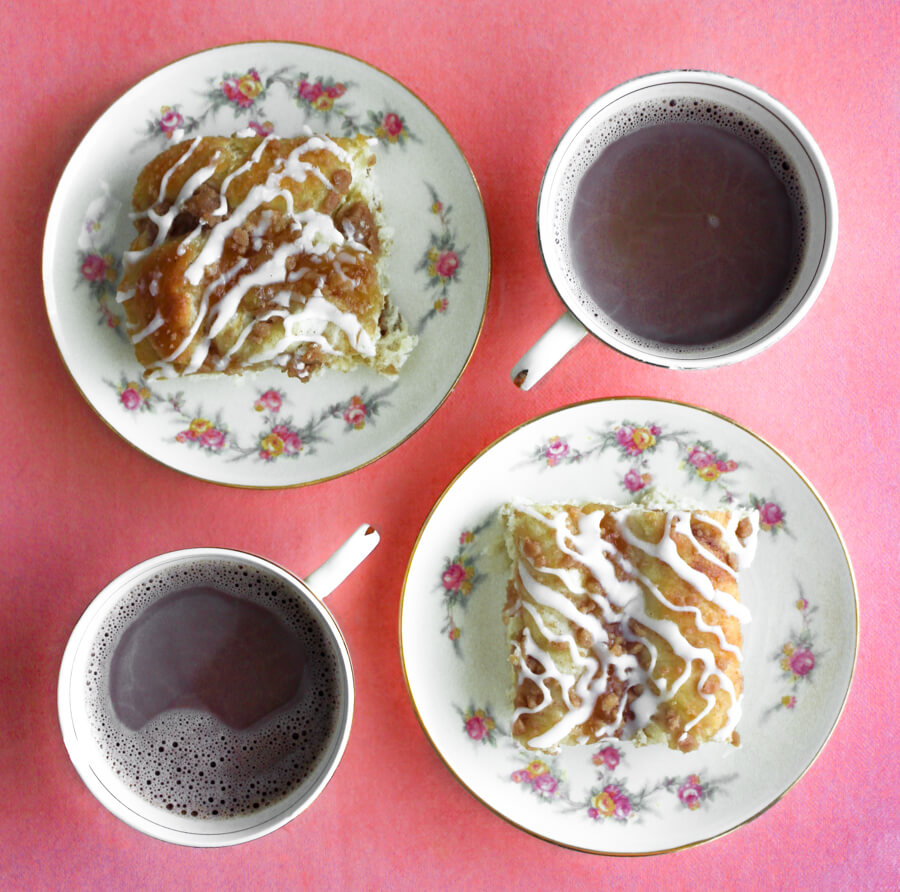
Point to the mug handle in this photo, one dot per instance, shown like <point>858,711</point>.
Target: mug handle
<point>547,351</point>
<point>324,580</point>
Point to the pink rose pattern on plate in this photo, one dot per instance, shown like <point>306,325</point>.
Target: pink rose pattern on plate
<point>442,259</point>
<point>171,122</point>
<point>631,442</point>
<point>608,756</point>
<point>390,127</point>
<point>459,577</point>
<point>771,514</point>
<point>611,797</point>
<point>555,451</point>
<point>96,263</point>
<point>798,658</point>
<point>478,725</point>
<point>280,440</point>
<point>197,429</point>
<point>361,409</point>
<point>321,97</point>
<point>634,444</point>
<point>280,436</point>
<point>270,401</point>
<point>243,93</point>
<point>100,273</point>
<point>135,396</point>
<point>539,777</point>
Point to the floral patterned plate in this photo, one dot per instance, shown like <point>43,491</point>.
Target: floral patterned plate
<point>799,649</point>
<point>267,430</point>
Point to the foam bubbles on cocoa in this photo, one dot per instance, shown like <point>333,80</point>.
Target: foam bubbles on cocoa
<point>188,762</point>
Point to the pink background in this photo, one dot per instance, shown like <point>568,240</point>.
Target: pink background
<point>79,504</point>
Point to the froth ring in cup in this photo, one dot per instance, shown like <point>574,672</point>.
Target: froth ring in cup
<point>203,766</point>
<point>667,103</point>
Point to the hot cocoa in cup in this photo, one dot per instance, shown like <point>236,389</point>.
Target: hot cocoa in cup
<point>687,219</point>
<point>206,695</point>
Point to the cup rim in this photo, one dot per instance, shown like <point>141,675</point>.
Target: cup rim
<point>705,359</point>
<point>79,756</point>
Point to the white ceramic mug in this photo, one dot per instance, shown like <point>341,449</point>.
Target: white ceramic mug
<point>86,750</point>
<point>585,140</point>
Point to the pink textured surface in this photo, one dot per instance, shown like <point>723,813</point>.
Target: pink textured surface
<point>79,505</point>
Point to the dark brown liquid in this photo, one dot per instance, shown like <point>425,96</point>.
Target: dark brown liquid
<point>204,649</point>
<point>213,690</point>
<point>682,233</point>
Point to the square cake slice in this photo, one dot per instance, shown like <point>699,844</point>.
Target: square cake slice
<point>625,623</point>
<point>255,252</point>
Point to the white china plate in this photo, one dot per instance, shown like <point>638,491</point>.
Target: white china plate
<point>799,649</point>
<point>265,429</point>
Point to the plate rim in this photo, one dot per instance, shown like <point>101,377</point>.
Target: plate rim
<point>671,402</point>
<point>55,209</point>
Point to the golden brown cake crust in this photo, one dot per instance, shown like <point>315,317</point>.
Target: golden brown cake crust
<point>254,252</point>
<point>625,623</point>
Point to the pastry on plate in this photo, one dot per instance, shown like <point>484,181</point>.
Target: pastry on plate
<point>625,623</point>
<point>254,252</point>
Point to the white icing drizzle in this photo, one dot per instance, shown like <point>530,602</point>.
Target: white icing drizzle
<point>161,371</point>
<point>201,314</point>
<point>222,210</point>
<point>298,274</point>
<point>621,601</point>
<point>267,273</point>
<point>339,271</point>
<point>211,251</point>
<point>312,233</point>
<point>744,548</point>
<point>164,221</point>
<point>314,143</point>
<point>222,362</point>
<point>183,244</point>
<point>263,193</point>
<point>662,553</point>
<point>350,240</point>
<point>261,228</point>
<point>588,684</point>
<point>304,326</point>
<point>548,597</point>
<point>308,323</point>
<point>156,322</point>
<point>666,550</point>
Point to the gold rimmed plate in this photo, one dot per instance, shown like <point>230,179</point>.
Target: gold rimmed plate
<point>265,429</point>
<point>799,651</point>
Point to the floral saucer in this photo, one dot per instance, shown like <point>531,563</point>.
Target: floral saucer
<point>799,649</point>
<point>268,430</point>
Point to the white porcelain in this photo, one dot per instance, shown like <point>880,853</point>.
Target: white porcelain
<point>799,648</point>
<point>554,204</point>
<point>346,558</point>
<point>84,748</point>
<point>266,429</point>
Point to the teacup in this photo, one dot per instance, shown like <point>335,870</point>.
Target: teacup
<point>740,113</point>
<point>206,695</point>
